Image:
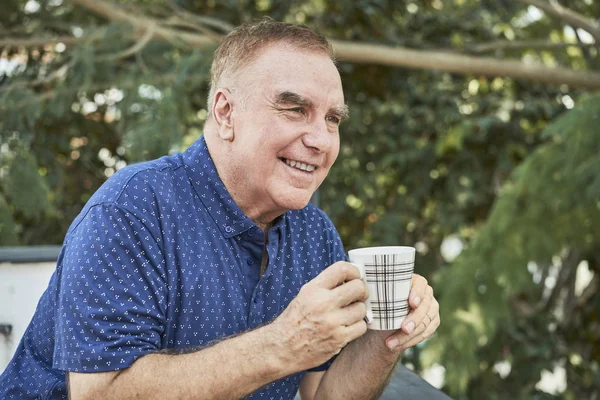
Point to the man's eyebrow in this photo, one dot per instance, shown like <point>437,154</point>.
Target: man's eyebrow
<point>291,98</point>
<point>287,97</point>
<point>342,112</point>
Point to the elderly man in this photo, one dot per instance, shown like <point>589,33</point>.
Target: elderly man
<point>205,274</point>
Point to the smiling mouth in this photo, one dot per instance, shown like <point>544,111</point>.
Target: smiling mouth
<point>299,165</point>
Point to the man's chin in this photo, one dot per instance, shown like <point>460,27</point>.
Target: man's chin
<point>296,205</point>
<point>294,202</point>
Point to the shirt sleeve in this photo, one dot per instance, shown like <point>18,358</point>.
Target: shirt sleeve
<point>112,293</point>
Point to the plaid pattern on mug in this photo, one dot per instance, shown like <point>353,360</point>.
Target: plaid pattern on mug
<point>386,273</point>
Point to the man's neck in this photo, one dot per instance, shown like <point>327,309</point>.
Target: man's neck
<point>265,226</point>
<point>234,182</point>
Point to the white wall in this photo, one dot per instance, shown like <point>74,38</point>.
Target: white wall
<point>21,286</point>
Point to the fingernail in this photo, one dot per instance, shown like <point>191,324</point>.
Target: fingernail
<point>392,343</point>
<point>410,327</point>
<point>417,300</point>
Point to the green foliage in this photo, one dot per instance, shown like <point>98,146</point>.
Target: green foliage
<point>8,229</point>
<point>549,206</point>
<point>24,191</point>
<point>426,155</point>
<point>23,185</point>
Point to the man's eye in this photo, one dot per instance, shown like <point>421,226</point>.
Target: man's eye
<point>298,110</point>
<point>334,119</point>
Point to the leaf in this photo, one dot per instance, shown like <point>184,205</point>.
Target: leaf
<point>8,228</point>
<point>453,140</point>
<point>26,190</point>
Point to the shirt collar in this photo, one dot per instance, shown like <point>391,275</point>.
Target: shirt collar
<point>202,172</point>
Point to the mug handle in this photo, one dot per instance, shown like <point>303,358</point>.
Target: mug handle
<point>363,277</point>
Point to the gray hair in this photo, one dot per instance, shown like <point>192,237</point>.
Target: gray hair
<point>242,46</point>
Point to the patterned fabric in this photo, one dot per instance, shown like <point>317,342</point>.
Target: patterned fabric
<point>389,278</point>
<point>162,258</point>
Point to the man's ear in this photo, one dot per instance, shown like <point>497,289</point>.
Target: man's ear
<point>222,111</point>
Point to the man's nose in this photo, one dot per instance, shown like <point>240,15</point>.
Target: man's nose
<point>319,137</point>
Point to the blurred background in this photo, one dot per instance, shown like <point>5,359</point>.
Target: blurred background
<point>474,136</point>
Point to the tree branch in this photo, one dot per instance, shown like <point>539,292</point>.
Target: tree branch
<point>43,41</point>
<point>589,59</point>
<point>566,278</point>
<point>37,42</point>
<point>114,13</point>
<point>554,9</point>
<point>365,53</point>
<point>174,23</point>
<point>462,64</point>
<point>591,289</point>
<point>57,74</point>
<point>223,26</point>
<point>136,48</point>
<point>49,94</point>
<point>521,45</point>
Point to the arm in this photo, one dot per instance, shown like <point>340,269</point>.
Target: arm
<point>322,319</point>
<point>361,371</point>
<point>230,369</point>
<point>364,367</point>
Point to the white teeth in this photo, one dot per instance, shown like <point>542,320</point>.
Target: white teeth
<point>300,165</point>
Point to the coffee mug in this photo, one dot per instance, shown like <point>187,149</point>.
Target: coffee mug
<point>387,272</point>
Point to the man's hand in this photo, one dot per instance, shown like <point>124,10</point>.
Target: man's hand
<point>326,315</point>
<point>422,321</point>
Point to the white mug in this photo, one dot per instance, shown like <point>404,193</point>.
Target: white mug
<point>387,272</point>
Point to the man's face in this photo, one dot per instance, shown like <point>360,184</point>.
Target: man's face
<point>286,128</point>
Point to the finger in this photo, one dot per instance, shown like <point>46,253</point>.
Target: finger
<point>421,336</point>
<point>431,328</point>
<point>401,341</point>
<point>355,330</point>
<point>430,315</point>
<point>349,292</point>
<point>336,274</point>
<point>417,290</point>
<point>352,314</point>
<point>415,333</point>
<point>416,316</point>
<point>434,310</point>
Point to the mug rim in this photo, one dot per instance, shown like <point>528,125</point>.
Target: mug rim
<point>381,250</point>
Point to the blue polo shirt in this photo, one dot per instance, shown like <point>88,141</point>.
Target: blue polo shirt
<point>161,257</point>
